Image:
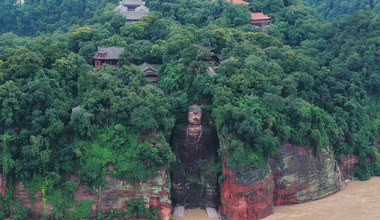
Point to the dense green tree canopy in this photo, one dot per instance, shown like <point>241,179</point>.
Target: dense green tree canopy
<point>304,81</point>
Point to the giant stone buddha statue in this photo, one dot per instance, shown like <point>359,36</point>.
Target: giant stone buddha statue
<point>194,177</point>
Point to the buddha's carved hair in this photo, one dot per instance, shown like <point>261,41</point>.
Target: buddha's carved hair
<point>195,108</point>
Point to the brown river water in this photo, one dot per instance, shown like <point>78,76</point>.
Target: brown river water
<point>359,200</point>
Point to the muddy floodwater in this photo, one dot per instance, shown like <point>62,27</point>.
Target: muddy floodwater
<point>195,214</point>
<point>359,200</point>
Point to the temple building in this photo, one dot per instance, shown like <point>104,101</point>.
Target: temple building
<point>108,55</point>
<point>133,10</point>
<point>238,2</point>
<point>20,2</point>
<point>259,19</point>
<point>150,71</point>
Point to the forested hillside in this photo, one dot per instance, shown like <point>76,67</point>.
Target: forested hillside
<point>338,9</point>
<point>304,81</point>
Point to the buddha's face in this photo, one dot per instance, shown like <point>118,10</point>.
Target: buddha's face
<point>195,118</point>
<point>194,130</point>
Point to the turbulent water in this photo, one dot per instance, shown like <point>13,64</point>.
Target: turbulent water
<point>359,200</point>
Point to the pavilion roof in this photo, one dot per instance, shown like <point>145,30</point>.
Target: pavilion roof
<point>259,16</point>
<point>238,2</point>
<point>112,53</point>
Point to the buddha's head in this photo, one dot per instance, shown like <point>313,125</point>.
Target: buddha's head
<point>195,115</point>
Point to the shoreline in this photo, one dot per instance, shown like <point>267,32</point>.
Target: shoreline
<point>358,200</point>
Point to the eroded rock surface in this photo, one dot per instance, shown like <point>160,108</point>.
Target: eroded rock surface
<point>194,177</point>
<point>155,192</point>
<point>246,193</point>
<point>36,207</point>
<point>2,185</point>
<point>347,166</point>
<point>299,176</point>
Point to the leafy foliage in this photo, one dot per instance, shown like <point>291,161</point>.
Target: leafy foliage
<point>304,80</point>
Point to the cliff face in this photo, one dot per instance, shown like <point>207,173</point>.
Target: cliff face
<point>2,185</point>
<point>347,165</point>
<point>296,175</point>
<point>246,193</point>
<point>155,192</point>
<point>23,195</point>
<point>195,182</point>
<point>299,176</point>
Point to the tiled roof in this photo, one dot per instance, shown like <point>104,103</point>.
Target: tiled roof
<point>132,2</point>
<point>204,47</point>
<point>135,15</point>
<point>259,16</point>
<point>145,66</point>
<point>112,53</point>
<point>239,2</point>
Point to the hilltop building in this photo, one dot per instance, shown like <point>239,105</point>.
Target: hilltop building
<point>150,71</point>
<point>238,2</point>
<point>19,2</point>
<point>108,55</point>
<point>214,56</point>
<point>133,10</point>
<point>259,19</point>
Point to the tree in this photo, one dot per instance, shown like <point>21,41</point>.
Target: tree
<point>82,34</point>
<point>23,64</point>
<point>136,30</point>
<point>9,100</point>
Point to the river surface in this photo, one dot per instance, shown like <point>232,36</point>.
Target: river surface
<point>359,200</point>
<point>195,214</point>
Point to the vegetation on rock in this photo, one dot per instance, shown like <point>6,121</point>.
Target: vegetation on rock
<point>304,81</point>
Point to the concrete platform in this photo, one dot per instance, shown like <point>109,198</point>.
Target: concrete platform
<point>179,211</point>
<point>212,213</point>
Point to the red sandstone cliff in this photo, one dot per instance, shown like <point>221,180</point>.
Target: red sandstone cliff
<point>296,175</point>
<point>299,176</point>
<point>2,185</point>
<point>249,196</point>
<point>347,166</point>
<point>155,192</point>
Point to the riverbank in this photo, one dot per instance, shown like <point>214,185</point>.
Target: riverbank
<point>195,214</point>
<point>359,200</point>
